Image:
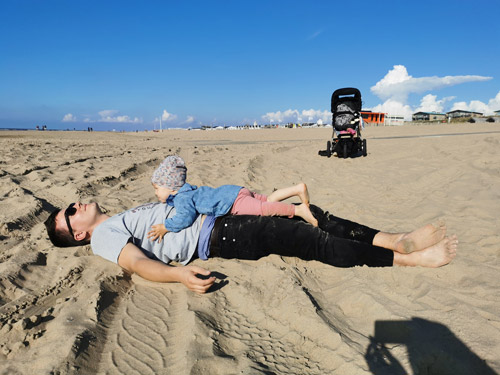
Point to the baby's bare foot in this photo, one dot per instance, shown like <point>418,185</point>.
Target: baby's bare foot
<point>421,238</point>
<point>303,211</point>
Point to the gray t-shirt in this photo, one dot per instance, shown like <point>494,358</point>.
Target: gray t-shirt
<point>109,237</point>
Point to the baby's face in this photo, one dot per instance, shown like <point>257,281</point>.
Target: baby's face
<point>162,193</point>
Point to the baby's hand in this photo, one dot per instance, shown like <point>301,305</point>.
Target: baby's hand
<point>157,232</point>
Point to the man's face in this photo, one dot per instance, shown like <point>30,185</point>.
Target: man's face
<point>82,220</point>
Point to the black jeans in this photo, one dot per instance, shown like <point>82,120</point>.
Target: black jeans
<point>336,241</point>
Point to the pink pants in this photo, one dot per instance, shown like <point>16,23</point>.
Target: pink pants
<point>248,203</point>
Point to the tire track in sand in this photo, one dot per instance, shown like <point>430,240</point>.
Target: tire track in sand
<point>142,337</point>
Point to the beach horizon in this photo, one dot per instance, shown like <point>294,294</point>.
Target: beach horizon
<point>67,311</point>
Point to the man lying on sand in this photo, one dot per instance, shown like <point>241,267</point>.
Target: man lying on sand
<point>123,239</point>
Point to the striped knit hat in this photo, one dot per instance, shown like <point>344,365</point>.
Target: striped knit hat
<point>171,173</point>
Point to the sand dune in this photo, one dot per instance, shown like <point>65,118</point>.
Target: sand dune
<point>65,311</point>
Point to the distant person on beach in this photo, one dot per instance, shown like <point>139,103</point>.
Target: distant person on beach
<point>123,239</point>
<point>169,182</point>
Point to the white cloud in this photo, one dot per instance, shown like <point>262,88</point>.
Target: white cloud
<point>494,103</point>
<point>189,120</point>
<point>429,103</point>
<point>108,113</point>
<point>398,84</point>
<point>168,116</point>
<point>69,118</point>
<point>296,116</point>
<point>393,107</point>
<point>315,35</point>
<point>473,106</point>
<point>478,106</point>
<point>111,116</point>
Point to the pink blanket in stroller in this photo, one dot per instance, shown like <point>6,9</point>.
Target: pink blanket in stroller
<point>348,131</point>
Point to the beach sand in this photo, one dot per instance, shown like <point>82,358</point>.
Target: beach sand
<point>65,311</point>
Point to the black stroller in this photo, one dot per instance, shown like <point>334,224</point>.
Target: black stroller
<point>346,121</point>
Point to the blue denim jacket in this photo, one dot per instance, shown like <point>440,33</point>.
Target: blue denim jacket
<point>191,201</point>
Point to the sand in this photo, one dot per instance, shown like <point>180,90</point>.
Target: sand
<point>66,311</point>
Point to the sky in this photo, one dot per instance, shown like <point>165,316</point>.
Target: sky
<point>123,65</point>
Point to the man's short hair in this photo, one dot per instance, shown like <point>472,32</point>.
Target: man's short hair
<point>58,237</point>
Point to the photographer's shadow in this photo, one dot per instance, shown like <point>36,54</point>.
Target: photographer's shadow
<point>432,350</point>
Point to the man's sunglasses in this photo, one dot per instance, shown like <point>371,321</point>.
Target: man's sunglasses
<point>70,211</point>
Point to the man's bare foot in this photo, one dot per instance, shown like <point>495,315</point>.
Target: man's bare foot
<point>303,193</point>
<point>434,256</point>
<point>303,211</point>
<point>421,238</point>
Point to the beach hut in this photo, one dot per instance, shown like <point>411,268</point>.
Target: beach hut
<point>376,118</point>
<point>428,116</point>
<point>460,113</point>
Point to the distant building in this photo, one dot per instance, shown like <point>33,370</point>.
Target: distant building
<point>370,117</point>
<point>428,116</point>
<point>459,113</point>
<point>394,120</point>
<point>497,113</point>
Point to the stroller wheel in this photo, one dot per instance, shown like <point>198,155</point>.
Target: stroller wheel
<point>328,148</point>
<point>364,148</point>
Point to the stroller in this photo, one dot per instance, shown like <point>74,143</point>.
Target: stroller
<point>346,121</point>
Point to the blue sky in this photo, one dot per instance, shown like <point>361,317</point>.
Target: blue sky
<point>123,64</point>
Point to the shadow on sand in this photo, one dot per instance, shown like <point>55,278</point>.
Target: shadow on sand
<point>432,349</point>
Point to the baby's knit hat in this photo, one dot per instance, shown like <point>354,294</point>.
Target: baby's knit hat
<point>171,173</point>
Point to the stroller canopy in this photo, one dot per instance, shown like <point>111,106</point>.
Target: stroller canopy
<point>348,96</point>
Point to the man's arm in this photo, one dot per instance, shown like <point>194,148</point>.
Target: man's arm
<point>134,260</point>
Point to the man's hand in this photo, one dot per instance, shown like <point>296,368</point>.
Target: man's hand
<point>157,232</point>
<point>194,278</point>
<point>188,276</point>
